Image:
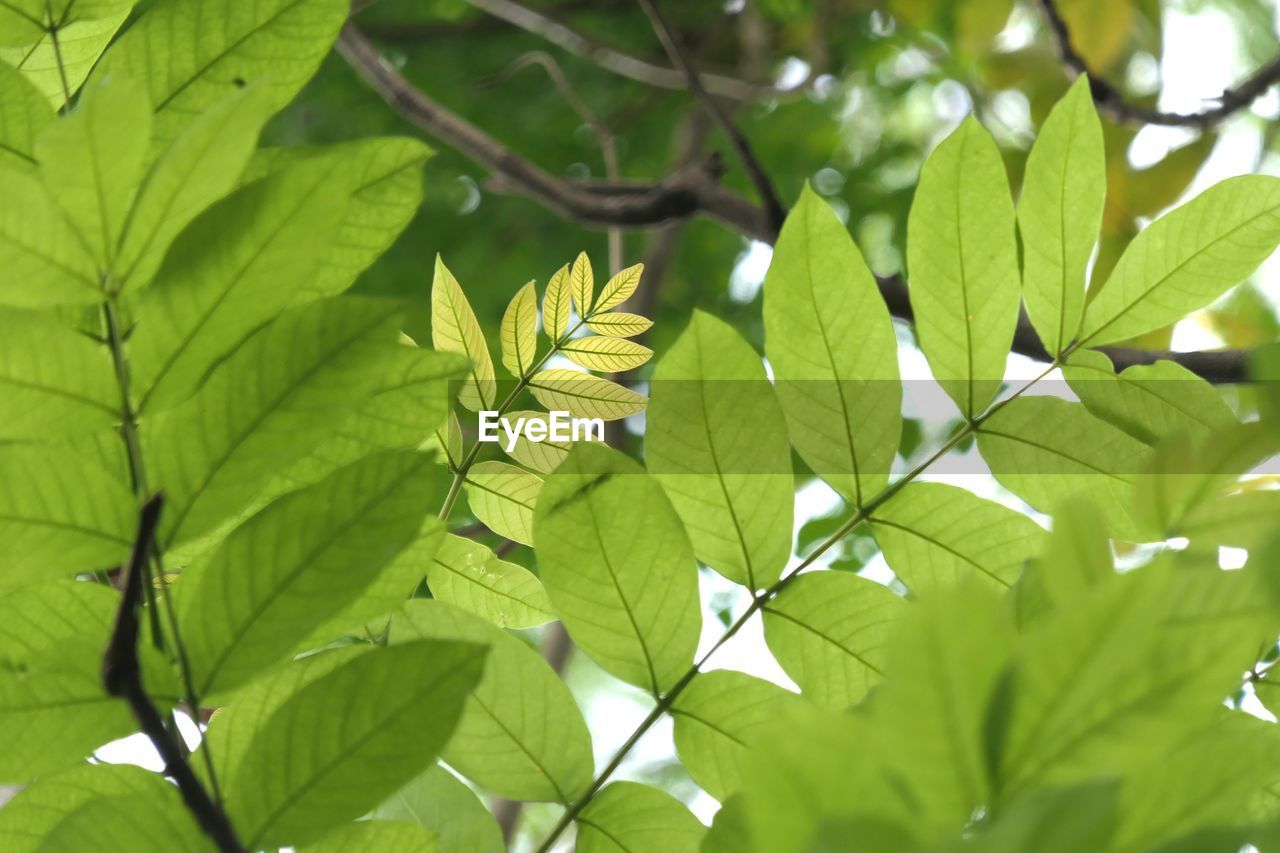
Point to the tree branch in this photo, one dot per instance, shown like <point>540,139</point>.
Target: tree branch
<point>688,191</point>
<point>122,677</point>
<point>774,212</point>
<point>1113,103</point>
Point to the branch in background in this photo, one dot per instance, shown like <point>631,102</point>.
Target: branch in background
<point>774,211</point>
<point>122,676</point>
<point>686,192</point>
<point>1113,103</point>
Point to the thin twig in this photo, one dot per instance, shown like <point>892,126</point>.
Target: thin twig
<point>122,677</point>
<point>774,211</point>
<point>1112,101</point>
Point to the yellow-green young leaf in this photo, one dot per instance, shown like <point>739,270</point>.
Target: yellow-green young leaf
<point>582,283</point>
<point>936,536</point>
<point>521,735</point>
<point>716,440</point>
<point>630,816</point>
<point>1186,259</point>
<point>446,806</point>
<point>91,161</point>
<point>469,575</point>
<point>619,288</point>
<point>830,341</point>
<point>281,395</point>
<point>23,22</point>
<point>54,710</point>
<point>542,456</point>
<point>24,112</point>
<point>202,165</point>
<point>52,380</point>
<point>503,497</point>
<point>1243,520</point>
<point>386,193</point>
<point>557,305</point>
<point>619,324</point>
<point>59,516</point>
<point>65,812</point>
<point>234,268</point>
<point>371,724</point>
<point>454,328</point>
<point>296,564</point>
<point>398,836</point>
<point>618,567</point>
<point>606,354</point>
<point>519,336</point>
<point>716,719</point>
<point>828,631</point>
<point>585,396</point>
<point>1148,401</point>
<point>1046,450</point>
<point>729,832</point>
<point>45,262</point>
<point>1059,213</point>
<point>84,31</point>
<point>1073,557</point>
<point>962,263</point>
<point>193,52</point>
<point>453,439</point>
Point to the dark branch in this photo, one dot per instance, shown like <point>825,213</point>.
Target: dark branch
<point>122,676</point>
<point>774,211</point>
<point>1115,105</point>
<point>686,192</point>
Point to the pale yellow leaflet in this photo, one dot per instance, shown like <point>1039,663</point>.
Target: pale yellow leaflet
<point>519,333</point>
<point>454,328</point>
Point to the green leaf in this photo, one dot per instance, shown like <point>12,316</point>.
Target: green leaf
<point>503,497</point>
<point>84,29</point>
<point>830,341</point>
<point>200,166</point>
<point>1059,214</point>
<point>606,354</point>
<point>387,194</point>
<point>442,803</point>
<point>619,324</point>
<point>274,400</point>
<point>557,305</point>
<point>618,567</point>
<point>542,456</point>
<point>935,536</point>
<point>828,631</point>
<point>295,564</point>
<point>728,476</point>
<point>369,726</point>
<point>454,328</point>
<point>24,112</point>
<point>1075,556</point>
<point>717,718</point>
<point>52,380</point>
<point>54,711</point>
<point>469,575</point>
<point>519,332</point>
<point>729,832</point>
<point>628,816</point>
<point>584,395</point>
<point>582,283</point>
<point>962,262</point>
<point>45,263</point>
<point>1186,259</point>
<point>194,52</point>
<point>396,836</point>
<point>521,736</point>
<point>22,22</point>
<point>128,822</point>
<point>43,809</point>
<point>1046,450</point>
<point>1243,520</point>
<point>236,267</point>
<point>618,288</point>
<point>59,516</point>
<point>1149,401</point>
<point>91,161</point>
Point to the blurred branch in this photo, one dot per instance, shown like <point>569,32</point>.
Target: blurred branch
<point>774,212</point>
<point>688,191</point>
<point>1113,103</point>
<point>122,677</point>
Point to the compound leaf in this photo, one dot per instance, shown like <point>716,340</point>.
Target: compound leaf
<point>503,497</point>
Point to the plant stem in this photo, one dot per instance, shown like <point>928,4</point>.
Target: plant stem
<point>759,601</point>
